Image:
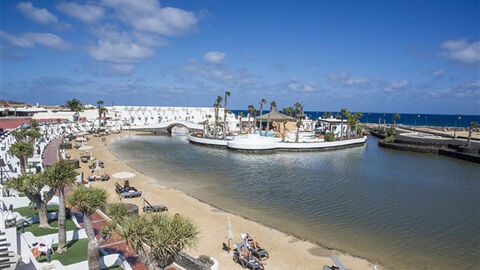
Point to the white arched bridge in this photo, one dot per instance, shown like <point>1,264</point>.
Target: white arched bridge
<point>191,126</point>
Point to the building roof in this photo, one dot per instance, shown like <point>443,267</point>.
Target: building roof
<point>274,115</point>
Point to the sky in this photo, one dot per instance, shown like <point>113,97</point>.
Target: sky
<point>369,56</point>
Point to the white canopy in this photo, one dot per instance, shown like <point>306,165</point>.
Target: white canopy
<point>80,139</point>
<point>86,148</point>
<point>123,175</point>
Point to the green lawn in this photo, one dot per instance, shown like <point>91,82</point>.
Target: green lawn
<point>28,211</point>
<point>76,252</point>
<point>44,231</point>
<point>114,268</point>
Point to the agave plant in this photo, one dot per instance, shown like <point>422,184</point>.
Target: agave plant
<point>157,238</point>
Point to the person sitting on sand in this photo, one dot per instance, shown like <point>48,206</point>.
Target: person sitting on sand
<point>92,176</point>
<point>247,255</point>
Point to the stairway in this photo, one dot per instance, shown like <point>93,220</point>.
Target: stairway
<point>8,259</point>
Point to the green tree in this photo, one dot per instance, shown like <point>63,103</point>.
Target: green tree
<point>251,110</point>
<point>262,101</point>
<point>352,120</point>
<point>100,111</point>
<point>396,116</point>
<point>273,104</point>
<point>227,94</point>
<point>290,111</point>
<point>473,125</point>
<point>158,237</point>
<point>74,105</point>
<point>5,112</point>
<point>22,150</point>
<point>59,176</point>
<point>217,106</point>
<point>31,185</point>
<point>87,201</point>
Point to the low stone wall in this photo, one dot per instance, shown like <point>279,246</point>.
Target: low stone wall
<point>188,262</point>
<point>409,147</point>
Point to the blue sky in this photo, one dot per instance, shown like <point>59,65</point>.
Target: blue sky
<point>377,56</point>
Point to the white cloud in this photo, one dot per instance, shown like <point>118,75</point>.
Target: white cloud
<point>461,51</point>
<point>467,90</point>
<point>124,51</point>
<point>85,13</point>
<point>221,73</point>
<point>28,40</point>
<point>39,15</point>
<point>345,80</point>
<point>438,73</point>
<point>393,86</point>
<point>148,16</point>
<point>214,57</point>
<point>297,86</point>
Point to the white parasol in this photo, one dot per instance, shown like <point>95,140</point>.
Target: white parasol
<point>86,148</point>
<point>123,175</point>
<point>229,235</point>
<point>81,139</point>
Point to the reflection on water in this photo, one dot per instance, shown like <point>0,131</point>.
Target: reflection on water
<point>405,210</point>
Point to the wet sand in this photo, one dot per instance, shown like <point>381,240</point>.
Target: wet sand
<point>286,251</point>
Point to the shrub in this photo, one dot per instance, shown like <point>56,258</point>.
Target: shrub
<point>329,137</point>
<point>389,139</point>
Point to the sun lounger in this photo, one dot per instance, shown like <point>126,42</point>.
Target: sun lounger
<point>237,258</point>
<point>147,207</point>
<point>104,177</point>
<point>338,264</point>
<point>260,253</point>
<point>131,193</point>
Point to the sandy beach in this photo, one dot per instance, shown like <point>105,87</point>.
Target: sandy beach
<point>286,251</point>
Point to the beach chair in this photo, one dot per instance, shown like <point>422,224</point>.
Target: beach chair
<point>147,207</point>
<point>237,258</point>
<point>338,264</point>
<point>104,177</point>
<point>260,253</point>
<point>118,189</point>
<point>131,193</point>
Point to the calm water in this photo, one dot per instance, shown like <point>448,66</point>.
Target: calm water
<point>405,210</point>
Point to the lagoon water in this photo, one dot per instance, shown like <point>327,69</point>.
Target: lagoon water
<point>404,210</point>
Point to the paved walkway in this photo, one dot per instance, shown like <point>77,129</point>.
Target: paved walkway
<point>50,154</point>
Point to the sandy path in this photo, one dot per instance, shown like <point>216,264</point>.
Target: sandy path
<point>286,252</point>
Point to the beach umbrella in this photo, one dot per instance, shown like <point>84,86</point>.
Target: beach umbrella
<point>80,139</point>
<point>229,235</point>
<point>86,148</point>
<point>123,175</point>
<point>82,133</point>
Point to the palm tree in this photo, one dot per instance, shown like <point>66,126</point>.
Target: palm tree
<point>299,124</point>
<point>227,94</point>
<point>74,105</point>
<point>104,112</point>
<point>473,125</point>
<point>87,201</point>
<point>273,104</point>
<point>343,114</point>
<point>262,101</point>
<point>100,111</point>
<point>396,116</point>
<point>289,111</point>
<point>157,238</point>
<point>31,185</point>
<point>217,106</point>
<point>251,109</point>
<point>22,150</point>
<point>240,115</point>
<point>59,176</point>
<point>352,120</point>
<point>298,109</point>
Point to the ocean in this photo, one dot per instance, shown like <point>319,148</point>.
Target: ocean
<point>415,119</point>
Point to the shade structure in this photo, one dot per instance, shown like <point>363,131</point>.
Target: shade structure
<point>86,148</point>
<point>80,139</point>
<point>275,115</point>
<point>82,133</point>
<point>123,175</point>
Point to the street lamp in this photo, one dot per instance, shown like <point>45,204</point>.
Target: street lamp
<point>455,129</point>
